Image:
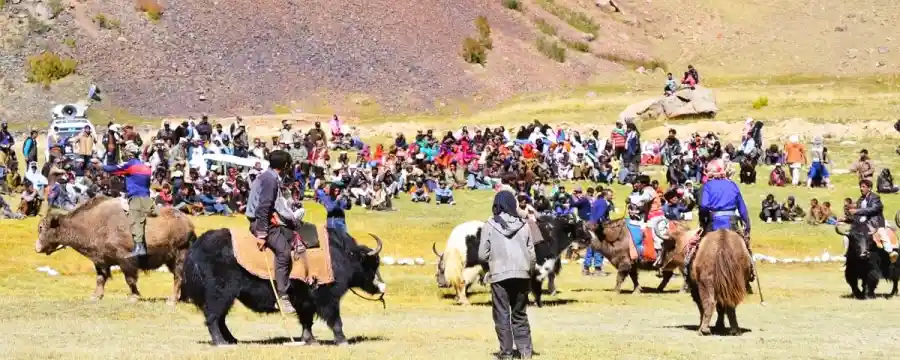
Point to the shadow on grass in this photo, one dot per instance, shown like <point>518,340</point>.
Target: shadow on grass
<point>653,290</point>
<point>715,331</point>
<point>547,303</point>
<point>877,296</point>
<point>281,340</point>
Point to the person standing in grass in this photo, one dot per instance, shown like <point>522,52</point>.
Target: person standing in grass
<point>508,248</point>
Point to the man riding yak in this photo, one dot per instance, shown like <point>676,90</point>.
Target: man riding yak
<point>719,199</point>
<point>870,211</point>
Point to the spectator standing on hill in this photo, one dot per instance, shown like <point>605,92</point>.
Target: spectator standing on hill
<point>795,157</point>
<point>863,167</point>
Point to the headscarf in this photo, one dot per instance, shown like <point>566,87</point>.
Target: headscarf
<point>715,169</point>
<point>504,203</point>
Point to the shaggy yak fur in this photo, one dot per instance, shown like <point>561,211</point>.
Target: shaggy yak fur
<point>458,266</point>
<point>615,247</point>
<point>718,278</point>
<point>558,235</point>
<point>674,244</point>
<point>100,230</point>
<point>214,279</point>
<point>868,270</point>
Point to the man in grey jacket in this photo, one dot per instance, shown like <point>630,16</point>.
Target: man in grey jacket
<point>508,248</point>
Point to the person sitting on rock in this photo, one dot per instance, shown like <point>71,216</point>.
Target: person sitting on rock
<point>694,74</point>
<point>777,177</point>
<point>770,209</point>
<point>671,86</point>
<point>791,211</point>
<point>688,81</point>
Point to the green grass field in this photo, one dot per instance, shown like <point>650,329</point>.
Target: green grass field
<point>808,316</point>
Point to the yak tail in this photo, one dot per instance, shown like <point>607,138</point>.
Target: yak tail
<point>454,262</point>
<point>731,269</point>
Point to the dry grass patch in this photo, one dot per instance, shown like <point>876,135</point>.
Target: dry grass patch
<point>576,19</point>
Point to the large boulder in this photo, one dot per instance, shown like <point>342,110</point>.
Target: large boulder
<point>684,103</point>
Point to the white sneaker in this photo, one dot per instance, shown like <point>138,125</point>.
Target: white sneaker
<point>769,221</point>
<point>453,203</point>
<point>779,221</point>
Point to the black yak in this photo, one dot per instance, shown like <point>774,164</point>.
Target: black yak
<point>870,269</point>
<point>214,279</point>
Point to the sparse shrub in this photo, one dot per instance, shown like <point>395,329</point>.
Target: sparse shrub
<point>56,7</point>
<point>545,27</point>
<point>577,45</point>
<point>552,49</point>
<point>36,26</point>
<point>473,51</point>
<point>484,32</point>
<point>577,19</point>
<point>509,4</point>
<point>104,22</point>
<point>152,8</point>
<point>760,102</point>
<point>48,67</point>
<point>70,42</point>
<point>279,109</point>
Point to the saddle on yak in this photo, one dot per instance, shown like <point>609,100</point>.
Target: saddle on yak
<point>254,261</point>
<point>641,247</point>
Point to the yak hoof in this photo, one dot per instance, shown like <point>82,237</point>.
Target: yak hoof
<point>95,298</point>
<point>705,331</point>
<point>734,332</point>
<point>343,344</point>
<point>171,302</point>
<point>133,299</point>
<point>294,343</point>
<point>225,346</point>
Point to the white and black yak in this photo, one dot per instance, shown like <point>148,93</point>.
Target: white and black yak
<point>459,266</point>
<point>214,279</point>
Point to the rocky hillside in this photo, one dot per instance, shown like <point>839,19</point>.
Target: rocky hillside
<point>264,56</point>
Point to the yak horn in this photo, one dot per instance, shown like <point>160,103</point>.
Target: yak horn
<point>656,232</point>
<point>377,247</point>
<point>837,229</point>
<point>872,229</point>
<point>897,218</point>
<point>434,248</point>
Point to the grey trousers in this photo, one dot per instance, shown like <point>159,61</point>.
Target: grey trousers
<point>509,299</point>
<point>279,240</point>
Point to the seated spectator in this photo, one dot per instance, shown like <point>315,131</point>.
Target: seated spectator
<point>688,81</point>
<point>671,85</point>
<point>748,171</point>
<point>773,155</point>
<point>213,204</point>
<point>30,203</point>
<point>59,196</point>
<point>444,194</point>
<point>886,183</point>
<point>419,193</point>
<point>164,198</point>
<point>829,216</point>
<point>381,200</point>
<point>816,213</point>
<point>791,211</point>
<point>7,212</point>
<point>770,209</point>
<point>778,177</point>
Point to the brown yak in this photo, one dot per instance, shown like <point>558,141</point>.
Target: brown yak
<point>675,240</point>
<point>718,278</point>
<point>100,229</point>
<point>617,244</point>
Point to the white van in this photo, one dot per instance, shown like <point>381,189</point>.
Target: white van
<point>69,120</point>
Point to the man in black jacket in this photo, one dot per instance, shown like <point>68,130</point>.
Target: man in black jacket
<point>870,211</point>
<point>261,211</point>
